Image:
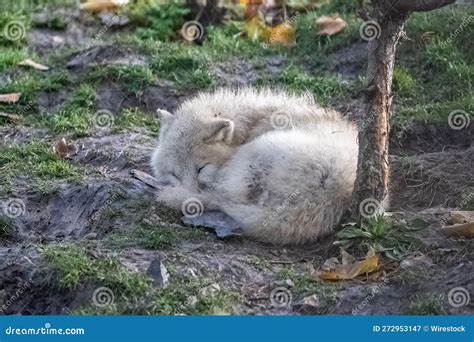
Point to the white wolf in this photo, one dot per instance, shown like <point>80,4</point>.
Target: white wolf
<point>282,168</point>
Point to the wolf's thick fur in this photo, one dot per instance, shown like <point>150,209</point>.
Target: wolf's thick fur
<point>286,185</point>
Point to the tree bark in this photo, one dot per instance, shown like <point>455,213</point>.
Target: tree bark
<point>373,169</point>
<point>371,185</point>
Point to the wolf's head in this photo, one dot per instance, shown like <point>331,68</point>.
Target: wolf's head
<point>190,150</point>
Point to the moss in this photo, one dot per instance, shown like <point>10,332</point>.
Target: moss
<point>74,266</point>
<point>35,159</point>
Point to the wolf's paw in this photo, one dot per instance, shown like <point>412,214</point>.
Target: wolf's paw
<point>224,225</point>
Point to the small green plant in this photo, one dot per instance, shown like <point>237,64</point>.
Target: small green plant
<point>394,240</point>
<point>157,20</point>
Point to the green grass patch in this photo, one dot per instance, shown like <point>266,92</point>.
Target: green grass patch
<point>132,118</point>
<point>35,159</point>
<point>425,305</point>
<point>75,266</point>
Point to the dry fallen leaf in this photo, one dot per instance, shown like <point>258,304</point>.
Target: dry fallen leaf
<point>461,216</point>
<point>349,268</point>
<point>284,34</point>
<point>462,229</point>
<point>31,63</point>
<point>102,5</point>
<point>14,97</point>
<point>63,149</point>
<point>330,25</point>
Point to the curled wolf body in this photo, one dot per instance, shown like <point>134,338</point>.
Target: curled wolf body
<point>277,164</point>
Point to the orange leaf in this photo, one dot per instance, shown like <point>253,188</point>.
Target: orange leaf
<point>284,34</point>
<point>256,29</point>
<point>63,149</point>
<point>14,97</point>
<point>330,25</point>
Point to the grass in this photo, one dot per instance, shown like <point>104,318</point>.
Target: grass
<point>37,160</point>
<point>306,285</point>
<point>157,237</point>
<point>133,292</point>
<point>425,305</point>
<point>6,230</point>
<point>395,240</point>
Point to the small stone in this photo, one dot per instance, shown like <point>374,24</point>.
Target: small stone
<point>158,272</point>
<point>210,291</point>
<point>191,301</point>
<point>147,222</point>
<point>90,236</point>
<point>308,304</point>
<point>285,283</point>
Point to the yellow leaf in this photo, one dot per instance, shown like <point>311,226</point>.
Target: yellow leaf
<point>102,5</point>
<point>34,65</point>
<point>350,267</point>
<point>330,25</point>
<point>256,29</point>
<point>284,34</point>
<point>14,97</point>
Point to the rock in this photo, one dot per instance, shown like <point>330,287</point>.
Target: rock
<point>285,283</point>
<point>158,272</point>
<point>310,304</point>
<point>191,301</point>
<point>210,291</point>
<point>419,261</point>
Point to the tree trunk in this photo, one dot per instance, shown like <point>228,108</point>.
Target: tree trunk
<point>371,186</point>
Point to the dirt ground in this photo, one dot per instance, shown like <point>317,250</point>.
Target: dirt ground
<point>431,167</point>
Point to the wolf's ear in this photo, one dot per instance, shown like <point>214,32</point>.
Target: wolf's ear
<point>220,131</point>
<point>166,118</point>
